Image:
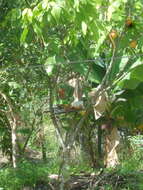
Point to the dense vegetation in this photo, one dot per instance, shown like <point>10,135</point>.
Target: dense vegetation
<point>71,94</point>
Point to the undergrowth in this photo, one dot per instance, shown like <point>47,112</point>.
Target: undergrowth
<point>27,174</point>
<point>128,175</point>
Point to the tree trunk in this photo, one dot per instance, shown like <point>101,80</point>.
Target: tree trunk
<point>99,142</point>
<point>14,144</point>
<point>99,147</point>
<point>111,143</point>
<point>13,120</point>
<point>44,155</point>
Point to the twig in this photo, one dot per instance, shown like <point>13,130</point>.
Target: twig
<point>52,187</point>
<point>4,111</point>
<point>97,182</point>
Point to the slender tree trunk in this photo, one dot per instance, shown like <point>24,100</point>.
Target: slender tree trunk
<point>14,144</point>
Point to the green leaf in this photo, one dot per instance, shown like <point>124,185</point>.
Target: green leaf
<point>84,27</point>
<point>56,11</point>
<point>136,64</point>
<point>24,35</point>
<point>27,14</point>
<point>14,85</point>
<point>80,68</point>
<point>103,35</point>
<point>45,4</point>
<point>133,78</point>
<point>37,29</point>
<point>49,65</point>
<point>76,4</point>
<point>138,72</point>
<point>24,12</point>
<point>50,61</point>
<point>37,10</point>
<point>129,83</point>
<point>24,131</point>
<point>96,74</point>
<point>30,15</point>
<point>49,69</point>
<point>114,5</point>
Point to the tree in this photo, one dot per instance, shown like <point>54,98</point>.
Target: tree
<point>55,41</point>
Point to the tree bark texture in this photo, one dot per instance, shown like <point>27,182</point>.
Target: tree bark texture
<point>111,142</point>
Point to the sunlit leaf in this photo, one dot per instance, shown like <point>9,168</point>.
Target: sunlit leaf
<point>56,11</point>
<point>24,35</point>
<point>14,85</point>
<point>37,29</point>
<point>84,27</point>
<point>49,65</point>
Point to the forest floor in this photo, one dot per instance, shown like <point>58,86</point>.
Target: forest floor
<point>102,181</point>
